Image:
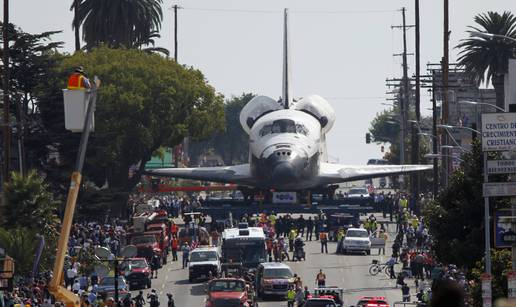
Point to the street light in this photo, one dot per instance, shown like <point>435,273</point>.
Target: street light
<point>437,156</point>
<point>446,127</point>
<point>481,103</point>
<point>491,35</point>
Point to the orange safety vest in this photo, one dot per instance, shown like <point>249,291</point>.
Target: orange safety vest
<point>76,81</point>
<point>175,244</point>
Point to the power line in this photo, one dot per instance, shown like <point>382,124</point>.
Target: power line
<point>227,10</point>
<point>355,98</point>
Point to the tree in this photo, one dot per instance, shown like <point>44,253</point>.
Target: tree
<point>33,56</point>
<point>145,102</point>
<point>501,265</point>
<point>118,23</point>
<point>20,244</point>
<point>29,203</point>
<point>486,58</point>
<point>455,218</point>
<point>232,144</point>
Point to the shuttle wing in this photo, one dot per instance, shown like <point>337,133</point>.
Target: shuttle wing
<point>238,174</point>
<point>334,173</point>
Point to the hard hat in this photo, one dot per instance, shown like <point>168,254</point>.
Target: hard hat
<point>79,69</point>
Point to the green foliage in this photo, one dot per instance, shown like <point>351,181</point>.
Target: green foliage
<point>486,58</point>
<point>21,245</point>
<point>145,101</point>
<point>28,203</point>
<point>501,264</point>
<point>455,218</point>
<point>118,23</point>
<point>385,127</point>
<point>233,143</point>
<point>32,56</point>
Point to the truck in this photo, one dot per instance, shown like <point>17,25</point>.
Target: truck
<point>203,263</point>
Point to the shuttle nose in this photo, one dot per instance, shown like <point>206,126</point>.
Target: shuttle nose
<point>284,172</point>
<point>285,166</point>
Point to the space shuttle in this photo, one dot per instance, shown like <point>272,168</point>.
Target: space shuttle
<point>287,145</point>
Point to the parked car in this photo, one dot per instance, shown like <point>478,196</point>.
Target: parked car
<point>357,239</point>
<point>203,263</point>
<point>273,278</point>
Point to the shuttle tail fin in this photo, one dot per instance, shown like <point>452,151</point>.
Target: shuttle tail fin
<point>287,90</point>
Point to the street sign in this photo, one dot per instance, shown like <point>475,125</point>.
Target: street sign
<point>501,167</point>
<point>511,284</point>
<point>499,132</point>
<point>492,189</point>
<point>486,289</point>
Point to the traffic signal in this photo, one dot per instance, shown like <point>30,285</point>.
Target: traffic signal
<point>368,138</point>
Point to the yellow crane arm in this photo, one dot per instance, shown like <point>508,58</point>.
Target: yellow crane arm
<point>55,286</point>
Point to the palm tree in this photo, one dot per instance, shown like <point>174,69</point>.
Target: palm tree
<point>486,57</point>
<point>20,244</point>
<point>118,23</point>
<point>76,24</point>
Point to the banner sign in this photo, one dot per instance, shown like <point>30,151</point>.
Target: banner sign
<point>501,167</point>
<point>498,131</point>
<point>493,189</point>
<point>504,235</point>
<point>284,197</point>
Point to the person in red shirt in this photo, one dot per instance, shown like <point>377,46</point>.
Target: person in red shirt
<point>175,247</point>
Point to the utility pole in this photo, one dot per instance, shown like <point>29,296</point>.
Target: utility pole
<point>6,125</point>
<point>445,106</point>
<point>175,32</point>
<point>76,25</point>
<point>415,145</point>
<point>405,91</point>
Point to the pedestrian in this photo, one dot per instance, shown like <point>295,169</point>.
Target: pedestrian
<point>71,273</point>
<point>291,296</point>
<point>320,279</point>
<point>383,236</point>
<point>309,228</point>
<point>323,237</point>
<point>307,293</point>
<point>291,237</point>
<point>174,246</point>
<point>139,301</point>
<point>155,262</point>
<point>153,299</point>
<point>300,297</point>
<point>186,253</point>
<point>390,263</point>
<point>405,292</point>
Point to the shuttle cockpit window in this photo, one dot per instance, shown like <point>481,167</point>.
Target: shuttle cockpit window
<point>283,126</point>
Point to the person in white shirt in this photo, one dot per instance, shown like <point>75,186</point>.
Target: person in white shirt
<point>71,273</point>
<point>76,286</point>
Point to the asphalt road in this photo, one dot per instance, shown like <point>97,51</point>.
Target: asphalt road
<point>351,272</point>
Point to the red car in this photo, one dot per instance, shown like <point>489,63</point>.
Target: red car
<point>372,301</point>
<point>137,273</point>
<point>227,292</point>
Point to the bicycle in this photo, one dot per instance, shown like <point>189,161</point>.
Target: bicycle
<point>376,268</point>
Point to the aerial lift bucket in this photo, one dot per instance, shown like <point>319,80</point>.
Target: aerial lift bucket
<point>75,107</point>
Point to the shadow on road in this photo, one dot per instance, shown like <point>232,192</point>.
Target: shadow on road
<point>198,290</point>
<point>368,289</point>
